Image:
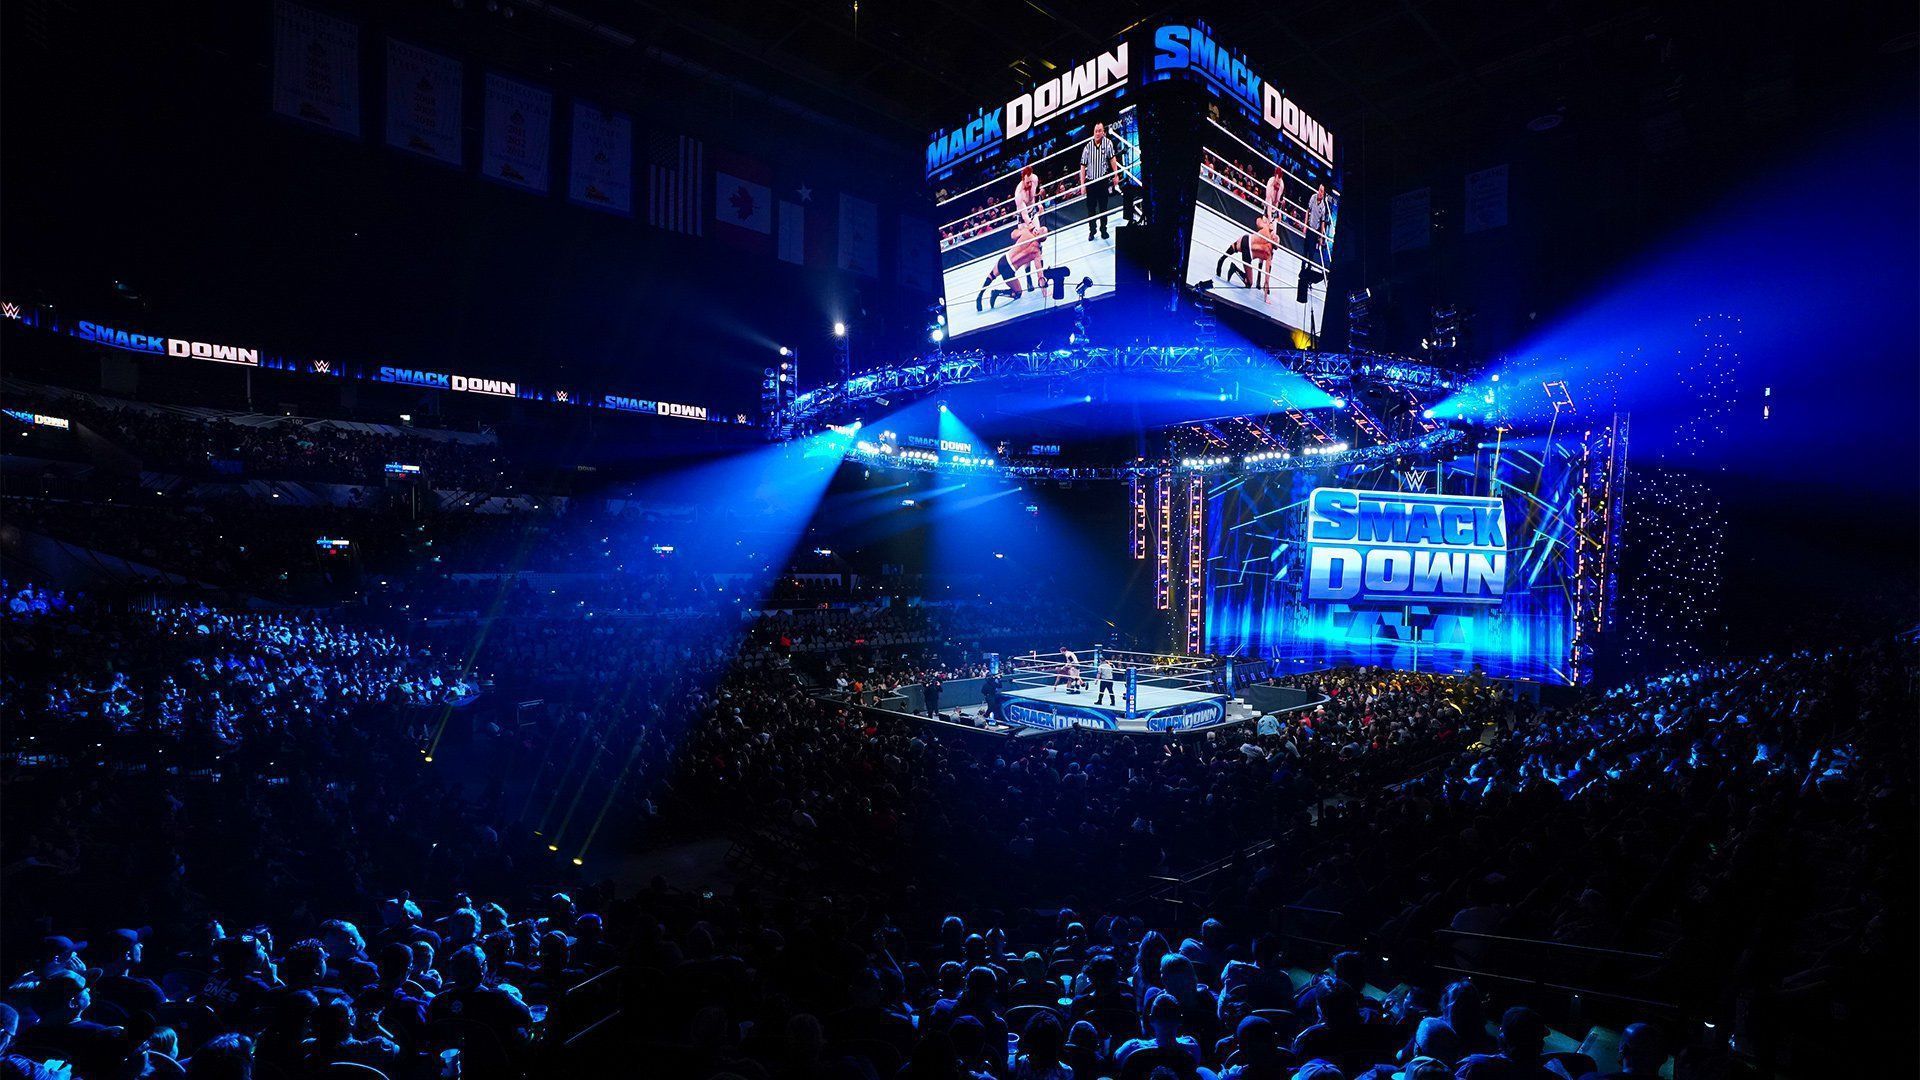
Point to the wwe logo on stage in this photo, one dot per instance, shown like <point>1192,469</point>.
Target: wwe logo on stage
<point>11,311</point>
<point>561,396</point>
<point>1414,479</point>
<point>322,367</point>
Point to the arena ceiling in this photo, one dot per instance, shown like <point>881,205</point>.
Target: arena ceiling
<point>1406,72</point>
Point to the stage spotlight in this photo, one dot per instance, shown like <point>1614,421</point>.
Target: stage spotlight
<point>1428,414</point>
<point>936,335</point>
<point>1339,403</point>
<point>1088,399</point>
<point>784,351</point>
<point>943,406</point>
<point>839,329</point>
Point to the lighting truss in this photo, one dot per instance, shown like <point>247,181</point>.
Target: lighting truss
<point>953,368</point>
<point>1603,469</point>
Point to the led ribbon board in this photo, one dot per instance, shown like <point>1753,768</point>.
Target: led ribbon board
<point>1405,547</point>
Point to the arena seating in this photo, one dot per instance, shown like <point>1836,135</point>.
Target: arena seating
<point>1423,868</point>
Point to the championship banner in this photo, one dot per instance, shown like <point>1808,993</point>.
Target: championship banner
<point>1486,199</point>
<point>424,102</point>
<point>1410,220</point>
<point>859,236</point>
<point>316,68</point>
<point>600,172</point>
<point>514,145</point>
<point>793,232</point>
<point>914,253</point>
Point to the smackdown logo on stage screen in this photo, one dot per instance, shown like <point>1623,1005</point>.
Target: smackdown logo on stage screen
<point>1403,547</point>
<point>1352,565</point>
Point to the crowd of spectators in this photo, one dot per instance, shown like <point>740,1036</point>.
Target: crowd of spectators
<point>1716,844</point>
<point>196,443</point>
<point>80,671</point>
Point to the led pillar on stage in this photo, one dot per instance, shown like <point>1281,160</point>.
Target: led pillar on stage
<point>1137,533</point>
<point>1133,691</point>
<point>1196,563</point>
<point>1163,543</point>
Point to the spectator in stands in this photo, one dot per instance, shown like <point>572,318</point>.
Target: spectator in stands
<point>1042,1050</point>
<point>1338,1029</point>
<point>118,980</point>
<point>1523,1035</point>
<point>282,1039</point>
<point>1256,1053</point>
<point>228,1056</point>
<point>1164,1041</point>
<point>395,1001</point>
<point>333,1040</point>
<point>1642,1053</point>
<point>16,1066</point>
<point>469,999</point>
<point>61,1002</point>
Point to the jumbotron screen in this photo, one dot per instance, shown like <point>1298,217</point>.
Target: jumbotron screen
<point>1264,214</point>
<point>1458,567</point>
<point>1033,231</point>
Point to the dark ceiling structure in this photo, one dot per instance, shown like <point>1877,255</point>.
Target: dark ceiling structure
<point>1407,73</point>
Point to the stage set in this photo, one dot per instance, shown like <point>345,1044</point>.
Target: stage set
<point>1291,508</point>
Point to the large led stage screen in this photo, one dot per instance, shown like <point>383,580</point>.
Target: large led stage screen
<point>1462,566</point>
<point>1264,214</point>
<point>1033,231</point>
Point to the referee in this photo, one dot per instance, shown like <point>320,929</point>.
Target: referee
<point>1105,689</point>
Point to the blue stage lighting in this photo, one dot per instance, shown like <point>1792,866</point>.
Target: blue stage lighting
<point>839,329</point>
<point>936,335</point>
<point>943,407</point>
<point>1339,403</point>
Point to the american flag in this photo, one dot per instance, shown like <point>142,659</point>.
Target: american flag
<point>676,183</point>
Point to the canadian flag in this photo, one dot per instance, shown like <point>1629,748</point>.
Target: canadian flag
<point>742,200</point>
